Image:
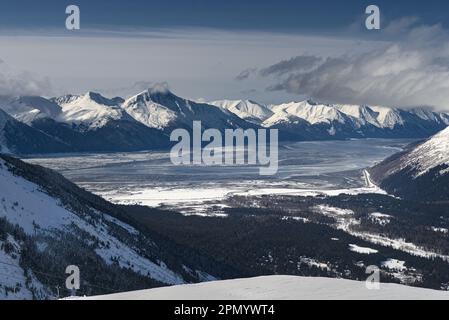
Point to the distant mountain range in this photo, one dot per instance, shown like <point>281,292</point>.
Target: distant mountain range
<point>309,120</point>
<point>93,123</point>
<point>420,173</point>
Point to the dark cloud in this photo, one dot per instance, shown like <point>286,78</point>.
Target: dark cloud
<point>407,73</point>
<point>299,63</point>
<point>245,74</point>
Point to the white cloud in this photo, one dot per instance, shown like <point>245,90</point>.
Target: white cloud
<point>410,72</point>
<point>196,62</point>
<point>14,82</point>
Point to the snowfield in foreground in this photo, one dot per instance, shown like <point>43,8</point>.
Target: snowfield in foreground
<point>280,288</point>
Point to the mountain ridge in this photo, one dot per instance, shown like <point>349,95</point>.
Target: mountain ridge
<point>421,172</point>
<point>48,223</point>
<point>94,123</point>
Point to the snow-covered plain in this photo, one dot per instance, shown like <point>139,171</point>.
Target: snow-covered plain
<point>281,288</point>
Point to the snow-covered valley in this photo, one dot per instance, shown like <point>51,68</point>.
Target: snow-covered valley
<point>306,168</point>
<point>309,198</point>
<point>310,172</point>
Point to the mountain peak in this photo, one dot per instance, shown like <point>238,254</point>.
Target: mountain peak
<point>312,102</point>
<point>98,98</point>
<point>159,88</point>
<point>248,110</point>
<point>93,95</point>
<point>91,109</point>
<point>158,93</point>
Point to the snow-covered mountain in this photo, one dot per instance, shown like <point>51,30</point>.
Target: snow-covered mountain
<point>47,223</point>
<point>29,108</point>
<point>364,114</point>
<point>17,137</point>
<point>431,154</point>
<point>307,120</point>
<point>245,109</point>
<point>420,172</point>
<point>91,110</point>
<point>281,288</point>
<point>159,108</point>
<point>94,123</point>
<point>310,111</point>
<point>337,121</point>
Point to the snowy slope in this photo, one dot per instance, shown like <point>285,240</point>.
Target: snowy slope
<point>91,110</point>
<point>420,173</point>
<point>445,118</point>
<point>311,112</point>
<point>159,108</point>
<point>388,117</point>
<point>245,109</point>
<point>13,284</point>
<point>281,288</point>
<point>431,154</point>
<point>35,207</point>
<point>3,119</point>
<point>29,108</point>
<point>282,117</point>
<point>87,123</point>
<point>363,114</point>
<point>44,218</point>
<point>154,115</point>
<point>427,114</point>
<point>354,121</point>
<point>20,138</point>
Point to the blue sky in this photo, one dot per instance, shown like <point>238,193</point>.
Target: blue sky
<point>267,15</point>
<point>208,49</point>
